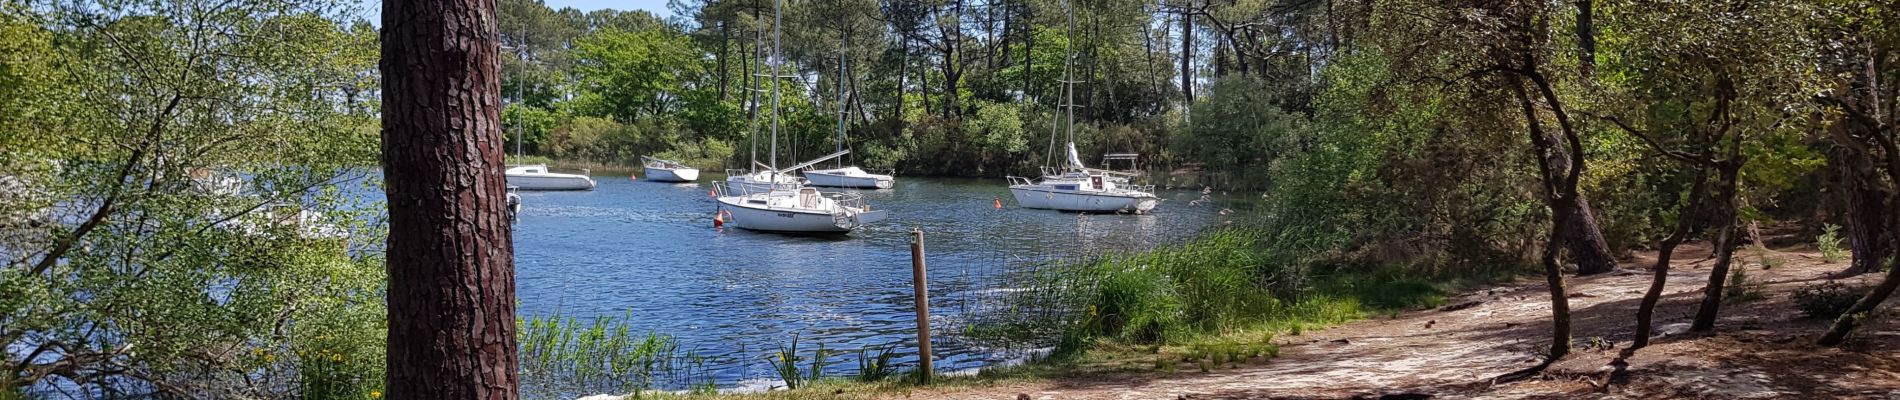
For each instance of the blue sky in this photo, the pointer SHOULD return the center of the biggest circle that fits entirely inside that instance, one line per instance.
(372, 9)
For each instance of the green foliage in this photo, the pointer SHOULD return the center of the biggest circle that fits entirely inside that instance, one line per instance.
(1238, 130)
(534, 124)
(1830, 244)
(1826, 300)
(636, 74)
(183, 209)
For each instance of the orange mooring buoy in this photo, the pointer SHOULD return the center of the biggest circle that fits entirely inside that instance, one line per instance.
(719, 219)
(999, 203)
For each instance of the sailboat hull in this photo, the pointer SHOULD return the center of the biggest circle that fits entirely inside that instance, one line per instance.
(843, 180)
(1030, 196)
(551, 181)
(760, 218)
(672, 175)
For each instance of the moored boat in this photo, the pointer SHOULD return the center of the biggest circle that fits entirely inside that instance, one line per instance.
(800, 210)
(1082, 191)
(537, 177)
(848, 177)
(659, 170)
(1074, 186)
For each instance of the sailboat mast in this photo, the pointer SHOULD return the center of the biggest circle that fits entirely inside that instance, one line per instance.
(1068, 69)
(777, 18)
(841, 39)
(752, 128)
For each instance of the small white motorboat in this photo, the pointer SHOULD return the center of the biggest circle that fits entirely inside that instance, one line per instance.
(658, 170)
(800, 210)
(537, 177)
(848, 177)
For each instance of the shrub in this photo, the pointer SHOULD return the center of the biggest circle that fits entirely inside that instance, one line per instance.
(1830, 244)
(1826, 300)
(1740, 289)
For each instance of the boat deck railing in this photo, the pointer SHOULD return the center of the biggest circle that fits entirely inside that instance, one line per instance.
(1019, 180)
(851, 200)
(1149, 189)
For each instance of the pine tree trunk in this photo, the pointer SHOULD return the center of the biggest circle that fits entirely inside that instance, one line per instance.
(1863, 199)
(1584, 238)
(1187, 54)
(1586, 38)
(450, 255)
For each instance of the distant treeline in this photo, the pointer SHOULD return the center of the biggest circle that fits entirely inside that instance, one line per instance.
(928, 88)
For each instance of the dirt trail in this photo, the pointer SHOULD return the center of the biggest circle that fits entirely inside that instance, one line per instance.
(1762, 349)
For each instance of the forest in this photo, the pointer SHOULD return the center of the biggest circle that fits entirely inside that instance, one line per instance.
(1389, 142)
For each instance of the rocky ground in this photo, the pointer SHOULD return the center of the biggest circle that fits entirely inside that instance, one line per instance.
(1762, 349)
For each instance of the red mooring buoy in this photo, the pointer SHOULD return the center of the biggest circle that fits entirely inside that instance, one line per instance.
(719, 219)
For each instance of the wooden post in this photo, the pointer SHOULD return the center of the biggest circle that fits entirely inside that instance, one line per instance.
(923, 304)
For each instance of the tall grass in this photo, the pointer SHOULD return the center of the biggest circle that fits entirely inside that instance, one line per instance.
(604, 354)
(1224, 281)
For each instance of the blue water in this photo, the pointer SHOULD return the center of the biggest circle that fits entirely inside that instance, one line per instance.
(649, 250)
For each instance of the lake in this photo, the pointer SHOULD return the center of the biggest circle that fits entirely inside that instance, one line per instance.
(649, 250)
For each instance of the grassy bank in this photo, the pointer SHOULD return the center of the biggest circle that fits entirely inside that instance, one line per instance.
(1222, 300)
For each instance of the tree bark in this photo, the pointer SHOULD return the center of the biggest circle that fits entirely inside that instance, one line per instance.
(1724, 224)
(1555, 189)
(1851, 319)
(1559, 301)
(1584, 238)
(1686, 220)
(1187, 54)
(1863, 199)
(450, 255)
(1586, 38)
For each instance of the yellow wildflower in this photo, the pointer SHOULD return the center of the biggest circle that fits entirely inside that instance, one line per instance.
(270, 357)
(336, 357)
(375, 394)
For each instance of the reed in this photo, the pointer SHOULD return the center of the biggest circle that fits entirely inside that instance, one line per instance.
(785, 364)
(566, 354)
(874, 363)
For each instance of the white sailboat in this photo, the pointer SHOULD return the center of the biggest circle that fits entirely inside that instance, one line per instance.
(849, 177)
(781, 207)
(537, 177)
(846, 176)
(763, 180)
(659, 170)
(1074, 186)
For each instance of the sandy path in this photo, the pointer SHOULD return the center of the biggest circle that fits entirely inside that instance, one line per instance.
(1762, 352)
